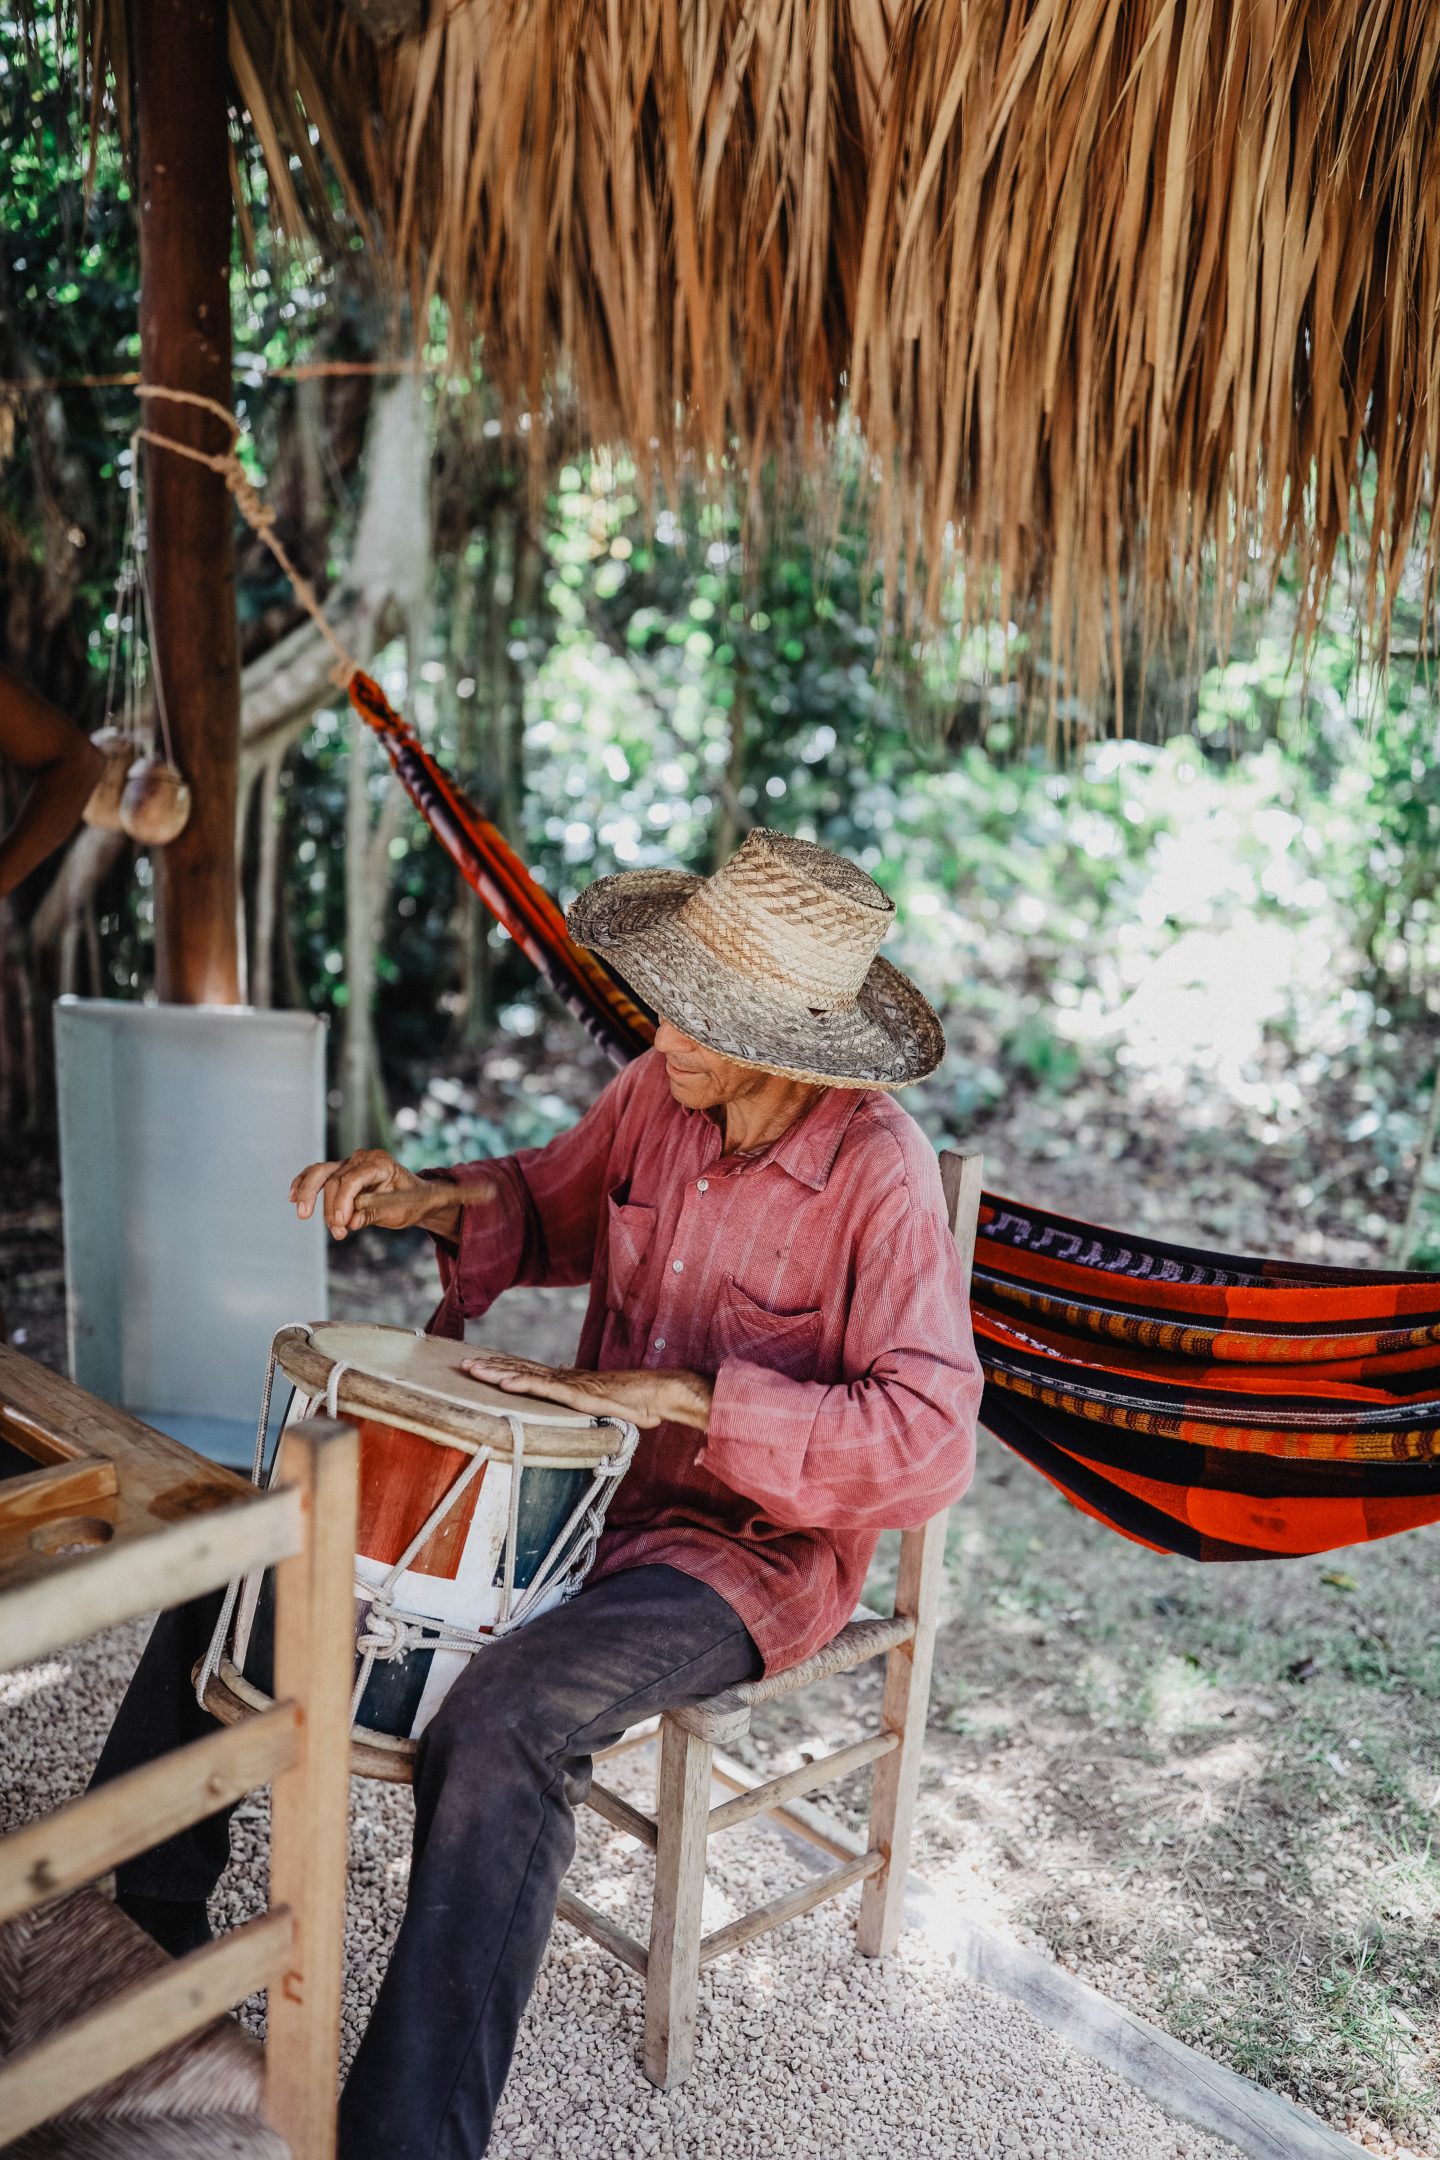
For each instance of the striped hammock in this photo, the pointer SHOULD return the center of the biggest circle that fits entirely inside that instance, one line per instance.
(1198, 1402)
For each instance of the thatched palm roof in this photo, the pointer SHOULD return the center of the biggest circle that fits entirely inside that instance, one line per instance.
(1116, 289)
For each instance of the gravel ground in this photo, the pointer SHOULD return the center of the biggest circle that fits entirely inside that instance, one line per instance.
(804, 2047)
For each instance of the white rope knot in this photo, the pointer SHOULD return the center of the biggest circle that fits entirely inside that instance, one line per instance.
(385, 1635)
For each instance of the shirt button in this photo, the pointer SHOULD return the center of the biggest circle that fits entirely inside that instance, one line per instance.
(704, 1185)
(679, 1266)
(659, 1342)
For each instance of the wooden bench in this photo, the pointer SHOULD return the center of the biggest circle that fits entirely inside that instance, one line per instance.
(89, 2001)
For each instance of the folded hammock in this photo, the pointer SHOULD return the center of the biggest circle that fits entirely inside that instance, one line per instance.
(1197, 1402)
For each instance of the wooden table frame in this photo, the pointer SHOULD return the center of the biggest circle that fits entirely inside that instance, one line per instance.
(174, 1527)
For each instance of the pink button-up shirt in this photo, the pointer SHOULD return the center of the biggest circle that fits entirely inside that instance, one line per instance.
(816, 1280)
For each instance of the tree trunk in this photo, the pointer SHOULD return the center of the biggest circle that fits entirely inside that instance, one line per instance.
(469, 922)
(92, 951)
(310, 463)
(292, 988)
(1407, 1237)
(498, 778)
(732, 819)
(364, 1112)
(357, 1053)
(88, 861)
(282, 686)
(29, 1050)
(268, 896)
(529, 599)
(70, 959)
(181, 76)
(17, 1074)
(392, 559)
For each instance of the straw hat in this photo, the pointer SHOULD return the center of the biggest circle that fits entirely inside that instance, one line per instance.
(773, 961)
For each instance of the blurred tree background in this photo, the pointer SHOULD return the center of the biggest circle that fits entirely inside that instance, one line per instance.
(1204, 951)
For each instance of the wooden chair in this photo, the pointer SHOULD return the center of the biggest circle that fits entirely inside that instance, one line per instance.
(86, 2000)
(684, 1820)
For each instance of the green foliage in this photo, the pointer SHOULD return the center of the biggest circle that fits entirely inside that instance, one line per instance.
(446, 1126)
(69, 272)
(1252, 910)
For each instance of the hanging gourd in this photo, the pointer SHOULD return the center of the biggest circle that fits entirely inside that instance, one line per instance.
(155, 806)
(140, 793)
(119, 750)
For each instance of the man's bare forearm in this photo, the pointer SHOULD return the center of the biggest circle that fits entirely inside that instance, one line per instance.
(651, 1396)
(687, 1397)
(445, 1212)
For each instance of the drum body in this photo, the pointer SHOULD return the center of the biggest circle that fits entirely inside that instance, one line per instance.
(478, 1510)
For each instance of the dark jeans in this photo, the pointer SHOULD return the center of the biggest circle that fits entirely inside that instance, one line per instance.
(499, 1773)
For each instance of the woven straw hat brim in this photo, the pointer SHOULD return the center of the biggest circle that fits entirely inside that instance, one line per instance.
(889, 1038)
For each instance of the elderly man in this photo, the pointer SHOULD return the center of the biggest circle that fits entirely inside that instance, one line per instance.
(775, 1301)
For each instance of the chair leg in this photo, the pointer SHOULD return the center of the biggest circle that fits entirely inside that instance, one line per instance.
(672, 1981)
(897, 1775)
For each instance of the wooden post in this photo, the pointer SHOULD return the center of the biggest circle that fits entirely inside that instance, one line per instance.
(314, 1667)
(672, 1977)
(178, 50)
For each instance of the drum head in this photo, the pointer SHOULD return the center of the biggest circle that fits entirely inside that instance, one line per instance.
(431, 1363)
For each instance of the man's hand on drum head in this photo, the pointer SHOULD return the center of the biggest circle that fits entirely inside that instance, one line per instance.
(370, 1190)
(647, 1396)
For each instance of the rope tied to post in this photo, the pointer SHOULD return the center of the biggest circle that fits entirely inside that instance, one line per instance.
(257, 513)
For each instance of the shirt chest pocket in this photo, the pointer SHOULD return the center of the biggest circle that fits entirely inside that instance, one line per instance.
(741, 1327)
(631, 1234)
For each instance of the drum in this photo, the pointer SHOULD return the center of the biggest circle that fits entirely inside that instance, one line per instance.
(478, 1510)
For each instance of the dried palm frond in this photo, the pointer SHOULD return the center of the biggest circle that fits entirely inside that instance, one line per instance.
(1118, 291)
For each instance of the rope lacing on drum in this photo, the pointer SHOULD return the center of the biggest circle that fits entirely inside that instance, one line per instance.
(387, 1633)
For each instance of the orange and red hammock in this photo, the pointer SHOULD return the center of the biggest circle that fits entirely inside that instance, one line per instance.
(1198, 1402)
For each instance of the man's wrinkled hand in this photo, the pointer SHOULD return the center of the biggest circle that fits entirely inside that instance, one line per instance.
(647, 1398)
(370, 1190)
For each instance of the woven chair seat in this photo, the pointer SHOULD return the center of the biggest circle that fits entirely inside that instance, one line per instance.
(198, 2101)
(726, 1718)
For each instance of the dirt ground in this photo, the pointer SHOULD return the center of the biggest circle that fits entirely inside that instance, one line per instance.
(1210, 1791)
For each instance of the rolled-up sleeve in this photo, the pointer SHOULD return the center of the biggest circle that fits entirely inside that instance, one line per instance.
(890, 1446)
(540, 1228)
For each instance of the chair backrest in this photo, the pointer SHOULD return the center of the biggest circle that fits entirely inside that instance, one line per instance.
(918, 1583)
(922, 1552)
(300, 1748)
(962, 1177)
